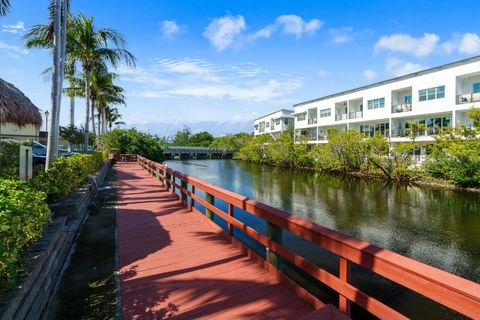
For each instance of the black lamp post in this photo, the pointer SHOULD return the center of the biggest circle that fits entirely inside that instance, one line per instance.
(46, 124)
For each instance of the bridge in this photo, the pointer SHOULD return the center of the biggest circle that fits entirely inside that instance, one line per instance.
(181, 256)
(178, 152)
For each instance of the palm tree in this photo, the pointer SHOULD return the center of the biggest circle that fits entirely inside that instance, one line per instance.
(112, 116)
(4, 7)
(92, 45)
(53, 35)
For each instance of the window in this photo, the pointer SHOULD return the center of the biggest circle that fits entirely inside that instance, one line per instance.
(370, 130)
(285, 121)
(325, 113)
(376, 103)
(277, 122)
(256, 127)
(268, 124)
(301, 116)
(431, 93)
(408, 99)
(476, 87)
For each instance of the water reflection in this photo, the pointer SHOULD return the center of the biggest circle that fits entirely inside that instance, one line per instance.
(438, 227)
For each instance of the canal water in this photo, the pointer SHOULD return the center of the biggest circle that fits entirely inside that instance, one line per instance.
(436, 226)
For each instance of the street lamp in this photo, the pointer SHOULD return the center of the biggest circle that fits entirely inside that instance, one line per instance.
(46, 124)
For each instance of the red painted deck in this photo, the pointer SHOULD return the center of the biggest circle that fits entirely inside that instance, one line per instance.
(174, 264)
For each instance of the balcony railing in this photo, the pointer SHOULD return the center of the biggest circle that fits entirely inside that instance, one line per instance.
(403, 133)
(312, 120)
(340, 117)
(468, 98)
(404, 107)
(355, 114)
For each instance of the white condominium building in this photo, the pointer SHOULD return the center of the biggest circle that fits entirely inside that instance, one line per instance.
(438, 97)
(274, 123)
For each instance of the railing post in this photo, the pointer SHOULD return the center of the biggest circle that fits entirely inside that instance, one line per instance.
(210, 199)
(192, 202)
(168, 177)
(275, 234)
(184, 194)
(344, 274)
(230, 213)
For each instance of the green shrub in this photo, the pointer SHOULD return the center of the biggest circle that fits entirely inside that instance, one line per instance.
(9, 158)
(66, 174)
(134, 142)
(23, 214)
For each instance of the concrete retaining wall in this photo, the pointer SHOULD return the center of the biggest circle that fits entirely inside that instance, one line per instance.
(48, 257)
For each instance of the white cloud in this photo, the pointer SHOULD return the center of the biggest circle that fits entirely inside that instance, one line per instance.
(225, 31)
(341, 35)
(397, 67)
(295, 25)
(228, 31)
(169, 29)
(14, 28)
(420, 47)
(203, 79)
(369, 74)
(467, 43)
(12, 51)
(322, 74)
(288, 24)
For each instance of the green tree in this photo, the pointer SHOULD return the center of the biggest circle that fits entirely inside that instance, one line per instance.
(474, 114)
(135, 142)
(91, 45)
(112, 116)
(182, 137)
(232, 142)
(201, 139)
(53, 35)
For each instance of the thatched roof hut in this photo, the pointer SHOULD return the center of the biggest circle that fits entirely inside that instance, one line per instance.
(16, 108)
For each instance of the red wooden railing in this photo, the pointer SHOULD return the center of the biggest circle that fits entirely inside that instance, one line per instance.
(447, 289)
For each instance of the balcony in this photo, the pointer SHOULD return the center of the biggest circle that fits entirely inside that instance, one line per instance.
(312, 120)
(468, 98)
(355, 115)
(340, 117)
(404, 107)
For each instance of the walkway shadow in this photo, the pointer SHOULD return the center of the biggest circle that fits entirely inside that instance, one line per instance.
(140, 234)
(207, 298)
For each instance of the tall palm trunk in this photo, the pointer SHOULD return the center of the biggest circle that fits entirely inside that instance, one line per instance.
(52, 147)
(93, 116)
(99, 122)
(61, 74)
(104, 121)
(87, 108)
(72, 119)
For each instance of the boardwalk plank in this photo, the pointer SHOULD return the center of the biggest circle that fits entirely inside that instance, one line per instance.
(173, 264)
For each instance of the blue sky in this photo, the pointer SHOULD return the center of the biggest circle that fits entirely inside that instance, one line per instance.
(216, 65)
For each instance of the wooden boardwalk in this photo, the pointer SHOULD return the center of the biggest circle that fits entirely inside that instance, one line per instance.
(175, 264)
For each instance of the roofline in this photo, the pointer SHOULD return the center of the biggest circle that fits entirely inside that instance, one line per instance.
(278, 110)
(404, 77)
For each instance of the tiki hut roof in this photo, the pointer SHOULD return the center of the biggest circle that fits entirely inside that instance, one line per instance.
(16, 108)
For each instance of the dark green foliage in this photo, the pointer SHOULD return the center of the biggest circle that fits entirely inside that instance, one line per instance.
(9, 158)
(135, 142)
(456, 156)
(66, 174)
(349, 151)
(231, 142)
(182, 137)
(74, 135)
(23, 214)
(201, 139)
